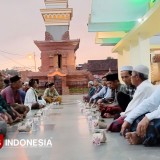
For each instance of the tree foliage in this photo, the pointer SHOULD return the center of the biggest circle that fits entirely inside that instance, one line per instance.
(11, 72)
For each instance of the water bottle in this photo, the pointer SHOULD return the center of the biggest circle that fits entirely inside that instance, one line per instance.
(34, 126)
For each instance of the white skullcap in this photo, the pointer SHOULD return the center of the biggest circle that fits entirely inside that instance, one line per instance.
(90, 82)
(141, 69)
(26, 83)
(126, 68)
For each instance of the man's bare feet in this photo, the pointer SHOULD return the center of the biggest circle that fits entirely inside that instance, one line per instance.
(108, 115)
(93, 106)
(133, 138)
(18, 119)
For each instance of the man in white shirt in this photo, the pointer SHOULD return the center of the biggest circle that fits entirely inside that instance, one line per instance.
(139, 78)
(144, 89)
(31, 98)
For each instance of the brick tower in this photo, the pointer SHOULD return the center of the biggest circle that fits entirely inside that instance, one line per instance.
(58, 50)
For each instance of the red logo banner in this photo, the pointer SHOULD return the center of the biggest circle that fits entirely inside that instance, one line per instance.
(1, 140)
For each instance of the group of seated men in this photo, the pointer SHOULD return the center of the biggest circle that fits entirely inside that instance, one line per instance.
(134, 105)
(17, 99)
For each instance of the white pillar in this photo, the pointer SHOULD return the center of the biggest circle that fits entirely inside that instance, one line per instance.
(123, 60)
(144, 49)
(140, 52)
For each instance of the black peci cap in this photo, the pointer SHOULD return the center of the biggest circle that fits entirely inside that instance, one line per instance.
(112, 77)
(14, 79)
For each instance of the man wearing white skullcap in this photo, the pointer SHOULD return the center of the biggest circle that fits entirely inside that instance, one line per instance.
(139, 78)
(141, 69)
(125, 97)
(90, 92)
(126, 68)
(90, 82)
(144, 121)
(144, 89)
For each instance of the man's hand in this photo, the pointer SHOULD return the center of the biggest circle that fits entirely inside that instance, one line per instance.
(20, 116)
(142, 127)
(124, 127)
(54, 98)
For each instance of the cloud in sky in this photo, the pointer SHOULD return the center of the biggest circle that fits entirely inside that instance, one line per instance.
(22, 23)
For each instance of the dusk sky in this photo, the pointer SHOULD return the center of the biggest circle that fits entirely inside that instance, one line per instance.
(22, 23)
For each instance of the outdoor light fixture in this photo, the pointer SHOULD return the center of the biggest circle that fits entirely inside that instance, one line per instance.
(140, 20)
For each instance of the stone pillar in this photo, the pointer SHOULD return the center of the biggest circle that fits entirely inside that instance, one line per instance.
(71, 59)
(64, 63)
(55, 61)
(45, 61)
